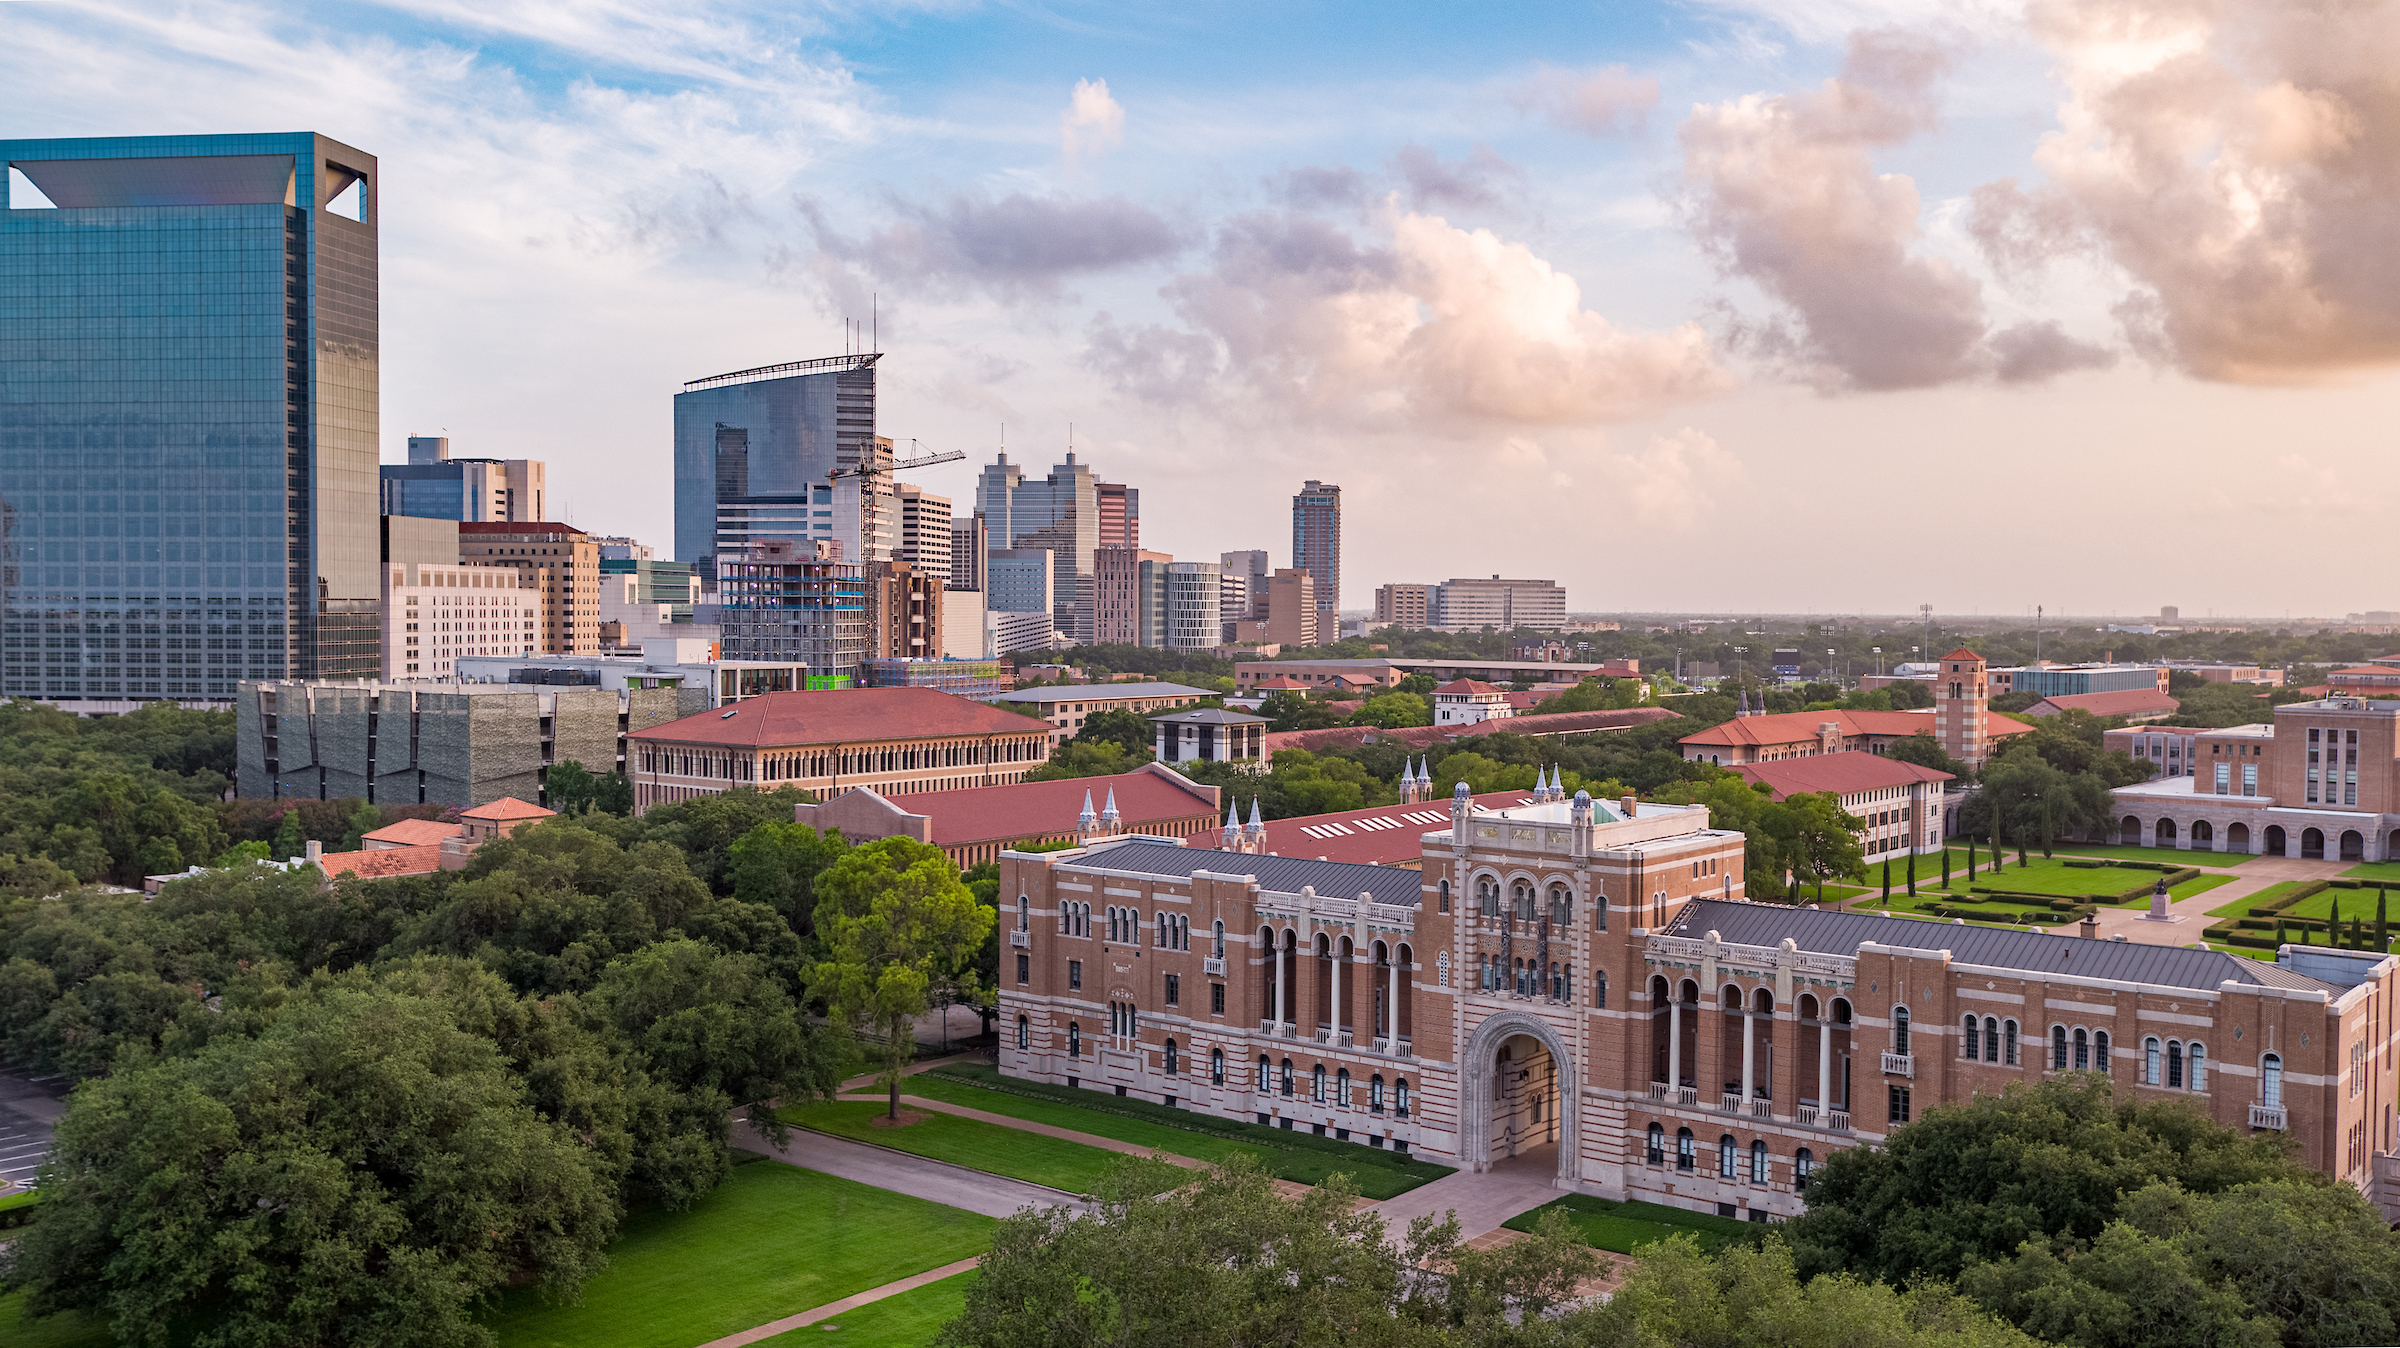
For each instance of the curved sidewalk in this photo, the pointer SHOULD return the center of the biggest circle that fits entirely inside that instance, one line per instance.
(917, 1176)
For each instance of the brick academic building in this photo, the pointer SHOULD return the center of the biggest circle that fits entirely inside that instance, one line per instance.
(1584, 984)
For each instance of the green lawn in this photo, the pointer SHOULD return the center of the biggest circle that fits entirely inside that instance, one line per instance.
(909, 1320)
(2359, 903)
(2387, 872)
(772, 1241)
(72, 1330)
(2170, 855)
(2240, 908)
(1374, 1173)
(1071, 1166)
(1623, 1226)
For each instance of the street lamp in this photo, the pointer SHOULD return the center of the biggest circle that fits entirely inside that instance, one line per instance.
(1879, 662)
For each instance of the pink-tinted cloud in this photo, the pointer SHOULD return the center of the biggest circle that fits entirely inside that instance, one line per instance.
(1609, 101)
(2239, 161)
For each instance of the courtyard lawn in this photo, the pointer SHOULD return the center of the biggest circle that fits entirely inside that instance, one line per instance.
(2240, 908)
(71, 1330)
(2178, 893)
(1376, 1174)
(2358, 903)
(2169, 855)
(909, 1320)
(771, 1241)
(1070, 1166)
(2382, 872)
(1622, 1227)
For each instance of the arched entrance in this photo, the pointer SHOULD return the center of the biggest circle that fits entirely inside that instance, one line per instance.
(2165, 833)
(2204, 836)
(2275, 841)
(2354, 847)
(2237, 837)
(2312, 844)
(1525, 1099)
(2129, 831)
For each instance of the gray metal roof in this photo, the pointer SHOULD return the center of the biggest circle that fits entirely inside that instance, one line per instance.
(1280, 875)
(2063, 952)
(1100, 692)
(1208, 716)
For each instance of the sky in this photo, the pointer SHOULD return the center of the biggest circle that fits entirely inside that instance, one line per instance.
(1715, 306)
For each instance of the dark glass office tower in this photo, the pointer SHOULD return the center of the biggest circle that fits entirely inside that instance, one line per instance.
(754, 451)
(188, 415)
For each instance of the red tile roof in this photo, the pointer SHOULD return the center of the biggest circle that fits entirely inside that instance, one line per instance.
(843, 716)
(1431, 737)
(2126, 702)
(1031, 809)
(1384, 836)
(1962, 653)
(415, 833)
(1842, 774)
(1800, 727)
(2366, 671)
(1280, 683)
(506, 808)
(382, 863)
(1470, 686)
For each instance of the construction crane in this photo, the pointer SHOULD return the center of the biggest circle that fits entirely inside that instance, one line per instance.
(875, 483)
(921, 460)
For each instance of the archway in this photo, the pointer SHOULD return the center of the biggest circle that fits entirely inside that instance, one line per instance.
(2204, 836)
(2391, 849)
(2275, 841)
(2354, 847)
(1496, 1114)
(2165, 833)
(2312, 844)
(2237, 837)
(2129, 831)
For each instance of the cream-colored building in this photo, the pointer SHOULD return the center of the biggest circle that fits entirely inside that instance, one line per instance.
(435, 615)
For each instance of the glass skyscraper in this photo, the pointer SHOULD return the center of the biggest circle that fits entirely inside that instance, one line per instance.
(188, 415)
(755, 451)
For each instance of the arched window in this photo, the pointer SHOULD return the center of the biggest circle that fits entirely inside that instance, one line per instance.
(1725, 1147)
(1562, 905)
(2083, 1050)
(1656, 1152)
(1487, 897)
(1287, 1076)
(2270, 1080)
(1445, 896)
(1804, 1164)
(1900, 1030)
(1074, 1040)
(2175, 1064)
(1758, 1161)
(1266, 1071)
(2199, 1067)
(1024, 913)
(2008, 1033)
(1216, 1067)
(1684, 1149)
(1400, 1097)
(1599, 911)
(1316, 1084)
(1521, 901)
(1971, 1038)
(1991, 1039)
(1558, 987)
(2150, 1061)
(2058, 1048)
(1375, 1094)
(1024, 1033)
(1174, 1066)
(1600, 988)
(1341, 1088)
(2100, 1050)
(1217, 937)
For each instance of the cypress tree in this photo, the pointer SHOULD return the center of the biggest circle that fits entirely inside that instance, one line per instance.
(2280, 937)
(1887, 879)
(1970, 860)
(2383, 940)
(2020, 851)
(1998, 856)
(2358, 937)
(1912, 874)
(1946, 862)
(2333, 925)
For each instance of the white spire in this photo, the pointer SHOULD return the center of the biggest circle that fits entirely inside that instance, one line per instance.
(1257, 824)
(1085, 819)
(1109, 815)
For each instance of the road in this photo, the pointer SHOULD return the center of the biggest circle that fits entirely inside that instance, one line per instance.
(29, 1108)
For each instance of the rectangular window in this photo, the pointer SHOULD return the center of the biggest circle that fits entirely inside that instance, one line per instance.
(1216, 999)
(2249, 779)
(2224, 778)
(1174, 990)
(1024, 968)
(1899, 1104)
(1074, 973)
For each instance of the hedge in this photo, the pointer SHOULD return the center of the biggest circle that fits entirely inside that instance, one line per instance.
(2295, 896)
(19, 1208)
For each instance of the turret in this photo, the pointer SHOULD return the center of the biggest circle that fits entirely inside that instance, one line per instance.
(1085, 823)
(1109, 816)
(1254, 838)
(1233, 826)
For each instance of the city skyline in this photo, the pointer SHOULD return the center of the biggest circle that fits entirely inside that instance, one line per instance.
(1539, 287)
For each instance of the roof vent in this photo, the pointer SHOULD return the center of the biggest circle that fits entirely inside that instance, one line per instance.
(727, 715)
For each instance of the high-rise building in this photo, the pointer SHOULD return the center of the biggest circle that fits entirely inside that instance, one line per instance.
(1060, 513)
(1120, 514)
(1253, 567)
(1403, 606)
(1962, 707)
(1129, 596)
(1292, 617)
(756, 452)
(1317, 542)
(925, 531)
(566, 563)
(1194, 613)
(434, 616)
(904, 612)
(970, 544)
(1019, 580)
(1233, 601)
(188, 415)
(779, 600)
(622, 548)
(1470, 604)
(434, 485)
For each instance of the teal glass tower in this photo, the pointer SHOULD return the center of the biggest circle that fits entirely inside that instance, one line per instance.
(188, 415)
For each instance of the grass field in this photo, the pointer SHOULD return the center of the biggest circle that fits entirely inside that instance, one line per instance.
(773, 1240)
(909, 1320)
(991, 1147)
(2386, 871)
(2359, 903)
(72, 1330)
(1624, 1226)
(1376, 1175)
(2171, 856)
(2241, 907)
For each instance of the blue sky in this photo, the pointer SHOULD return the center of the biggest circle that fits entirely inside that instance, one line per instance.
(1648, 298)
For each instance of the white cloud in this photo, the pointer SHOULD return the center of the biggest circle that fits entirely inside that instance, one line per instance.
(1092, 125)
(1674, 481)
(1608, 101)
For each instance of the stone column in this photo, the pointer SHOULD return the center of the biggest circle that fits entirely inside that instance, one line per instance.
(1282, 992)
(1391, 1002)
(1333, 1013)
(1749, 1057)
(1674, 1038)
(1824, 1058)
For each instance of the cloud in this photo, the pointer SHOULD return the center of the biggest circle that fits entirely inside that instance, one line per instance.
(1609, 101)
(1672, 480)
(1473, 183)
(1782, 192)
(1440, 329)
(2031, 352)
(1093, 123)
(1014, 245)
(2240, 163)
(1313, 187)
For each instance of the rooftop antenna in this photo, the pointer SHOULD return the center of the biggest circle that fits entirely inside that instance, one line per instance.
(875, 313)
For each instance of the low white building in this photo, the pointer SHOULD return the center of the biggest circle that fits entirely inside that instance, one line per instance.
(1467, 701)
(664, 662)
(435, 615)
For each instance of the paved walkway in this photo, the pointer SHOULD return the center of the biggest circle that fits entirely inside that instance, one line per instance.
(918, 1176)
(1027, 1126)
(1483, 1201)
(849, 1303)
